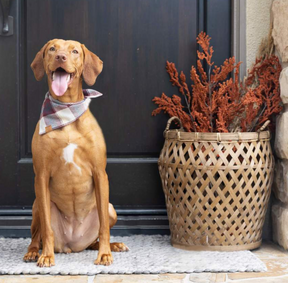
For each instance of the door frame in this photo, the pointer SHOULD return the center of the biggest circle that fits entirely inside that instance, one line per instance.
(239, 34)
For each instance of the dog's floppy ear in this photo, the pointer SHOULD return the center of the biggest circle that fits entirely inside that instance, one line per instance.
(92, 66)
(38, 65)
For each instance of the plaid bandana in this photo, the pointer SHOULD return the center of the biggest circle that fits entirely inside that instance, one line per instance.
(56, 114)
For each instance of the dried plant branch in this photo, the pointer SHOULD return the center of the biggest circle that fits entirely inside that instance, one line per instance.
(220, 103)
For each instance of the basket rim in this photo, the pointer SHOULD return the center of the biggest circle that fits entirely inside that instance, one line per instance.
(181, 135)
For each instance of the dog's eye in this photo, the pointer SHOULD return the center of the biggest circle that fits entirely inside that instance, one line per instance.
(52, 48)
(75, 51)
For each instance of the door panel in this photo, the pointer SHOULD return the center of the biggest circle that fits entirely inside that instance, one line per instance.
(134, 39)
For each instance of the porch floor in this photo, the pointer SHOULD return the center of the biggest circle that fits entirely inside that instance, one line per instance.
(275, 258)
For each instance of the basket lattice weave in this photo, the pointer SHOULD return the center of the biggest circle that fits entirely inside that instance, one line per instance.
(217, 187)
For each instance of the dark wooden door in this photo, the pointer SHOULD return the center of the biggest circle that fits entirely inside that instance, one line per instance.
(134, 38)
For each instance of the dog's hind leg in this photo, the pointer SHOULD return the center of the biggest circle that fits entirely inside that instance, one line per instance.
(33, 249)
(115, 247)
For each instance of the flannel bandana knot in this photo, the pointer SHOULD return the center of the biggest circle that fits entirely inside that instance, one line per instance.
(56, 114)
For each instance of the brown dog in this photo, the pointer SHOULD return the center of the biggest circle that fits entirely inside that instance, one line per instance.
(71, 210)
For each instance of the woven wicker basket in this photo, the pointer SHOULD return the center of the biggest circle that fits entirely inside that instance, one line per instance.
(217, 187)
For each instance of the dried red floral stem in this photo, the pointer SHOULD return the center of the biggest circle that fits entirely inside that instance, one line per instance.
(192, 118)
(210, 98)
(257, 119)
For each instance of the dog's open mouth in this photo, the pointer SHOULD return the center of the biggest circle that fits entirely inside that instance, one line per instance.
(60, 81)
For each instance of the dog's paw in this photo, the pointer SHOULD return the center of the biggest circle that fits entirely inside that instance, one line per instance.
(31, 256)
(46, 261)
(104, 259)
(119, 247)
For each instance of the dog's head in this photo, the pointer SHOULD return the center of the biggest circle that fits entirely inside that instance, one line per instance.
(65, 62)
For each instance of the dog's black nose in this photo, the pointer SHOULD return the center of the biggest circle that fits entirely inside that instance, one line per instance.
(61, 57)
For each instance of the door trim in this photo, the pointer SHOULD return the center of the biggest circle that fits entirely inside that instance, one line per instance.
(239, 34)
(16, 223)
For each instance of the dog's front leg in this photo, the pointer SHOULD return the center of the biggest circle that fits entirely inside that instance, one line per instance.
(43, 199)
(102, 198)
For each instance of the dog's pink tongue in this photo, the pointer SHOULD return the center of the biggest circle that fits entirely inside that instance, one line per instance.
(59, 83)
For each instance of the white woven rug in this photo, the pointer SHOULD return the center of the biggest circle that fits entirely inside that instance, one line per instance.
(148, 254)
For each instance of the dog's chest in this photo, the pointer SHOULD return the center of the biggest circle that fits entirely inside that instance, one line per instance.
(72, 157)
(72, 160)
(68, 157)
(71, 179)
